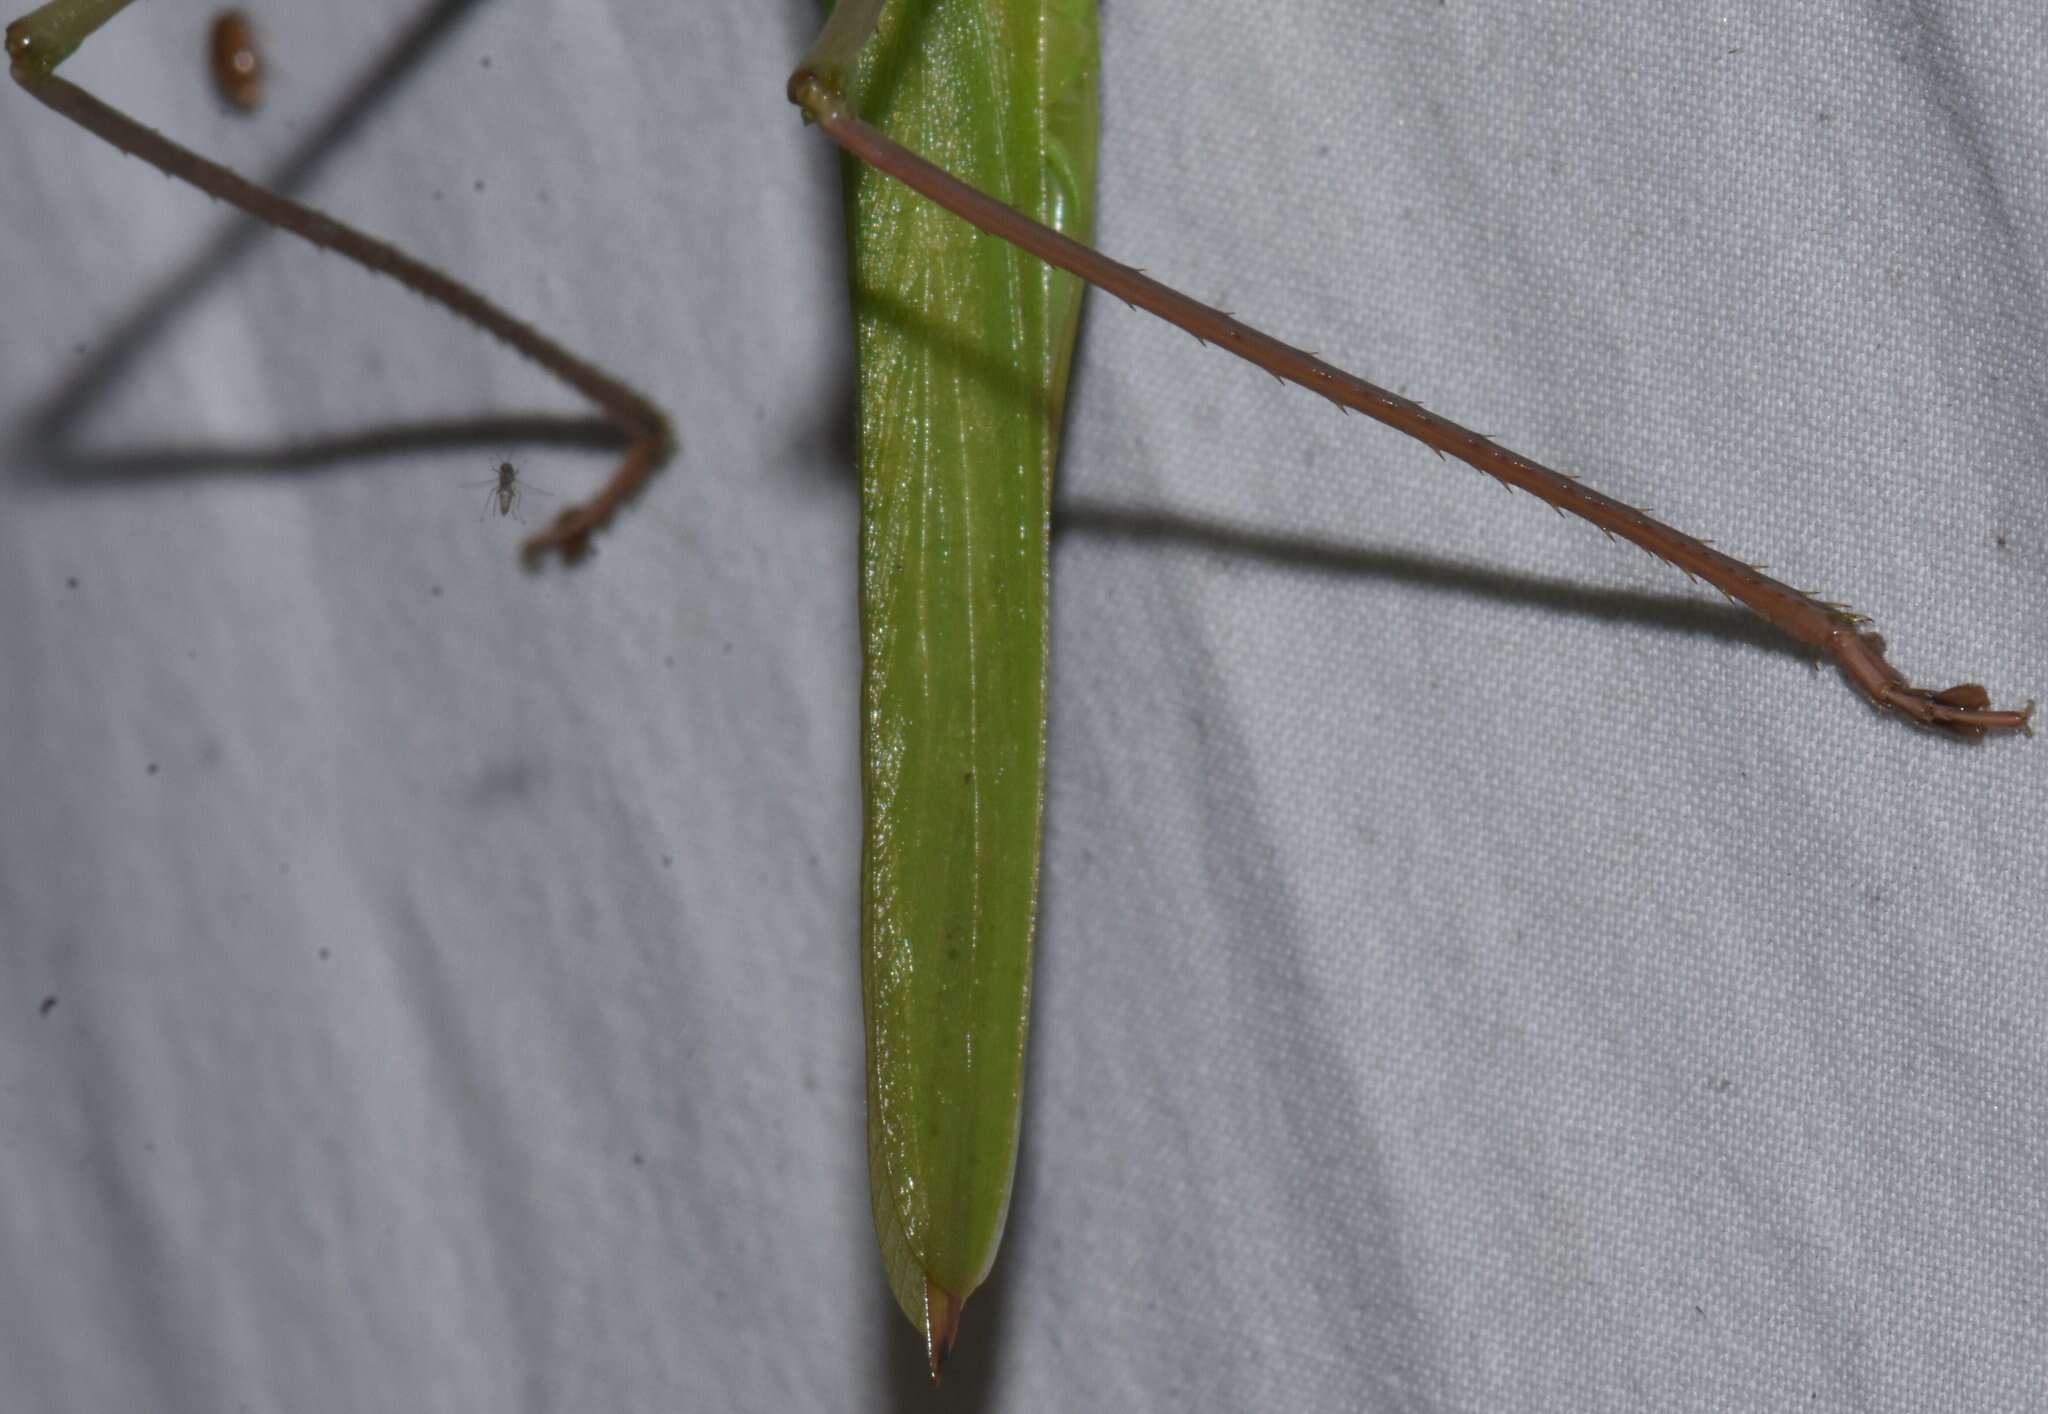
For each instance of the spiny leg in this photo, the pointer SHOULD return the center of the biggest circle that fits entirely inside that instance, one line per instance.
(1827, 628)
(39, 41)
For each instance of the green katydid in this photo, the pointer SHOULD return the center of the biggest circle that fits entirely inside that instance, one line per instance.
(1952, 703)
(965, 345)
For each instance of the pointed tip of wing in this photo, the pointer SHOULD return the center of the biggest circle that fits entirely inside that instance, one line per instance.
(941, 1325)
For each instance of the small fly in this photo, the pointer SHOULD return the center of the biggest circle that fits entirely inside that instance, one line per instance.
(506, 489)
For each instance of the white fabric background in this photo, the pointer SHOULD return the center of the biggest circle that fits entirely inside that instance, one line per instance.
(1477, 972)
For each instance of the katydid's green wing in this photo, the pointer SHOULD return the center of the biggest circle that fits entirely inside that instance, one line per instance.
(964, 346)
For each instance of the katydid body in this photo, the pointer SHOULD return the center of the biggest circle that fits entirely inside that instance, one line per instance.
(964, 348)
(1163, 262)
